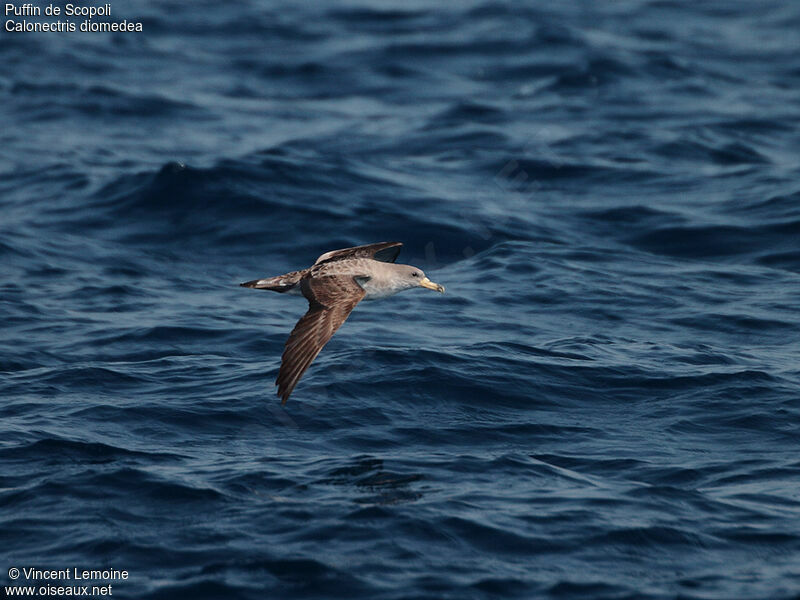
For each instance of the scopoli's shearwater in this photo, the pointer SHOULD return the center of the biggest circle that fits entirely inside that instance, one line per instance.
(333, 286)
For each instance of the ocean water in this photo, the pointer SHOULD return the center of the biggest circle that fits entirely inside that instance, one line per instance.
(604, 405)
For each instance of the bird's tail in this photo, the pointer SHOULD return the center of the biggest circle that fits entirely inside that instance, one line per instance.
(281, 283)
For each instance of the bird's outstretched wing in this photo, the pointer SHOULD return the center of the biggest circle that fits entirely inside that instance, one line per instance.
(382, 251)
(330, 300)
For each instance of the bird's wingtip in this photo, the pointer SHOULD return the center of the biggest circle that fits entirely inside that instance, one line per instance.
(282, 392)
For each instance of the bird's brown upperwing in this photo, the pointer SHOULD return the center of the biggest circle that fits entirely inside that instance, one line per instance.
(330, 300)
(382, 251)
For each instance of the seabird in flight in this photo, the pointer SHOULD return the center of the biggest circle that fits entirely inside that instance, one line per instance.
(333, 286)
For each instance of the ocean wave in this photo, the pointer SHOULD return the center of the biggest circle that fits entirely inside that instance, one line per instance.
(602, 405)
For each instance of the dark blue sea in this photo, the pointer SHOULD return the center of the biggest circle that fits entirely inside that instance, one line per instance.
(605, 404)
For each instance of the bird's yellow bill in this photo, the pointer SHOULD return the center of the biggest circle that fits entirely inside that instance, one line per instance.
(427, 283)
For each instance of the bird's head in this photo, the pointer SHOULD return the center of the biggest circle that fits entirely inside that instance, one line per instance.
(414, 277)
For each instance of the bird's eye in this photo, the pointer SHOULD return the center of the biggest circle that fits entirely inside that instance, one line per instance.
(415, 274)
